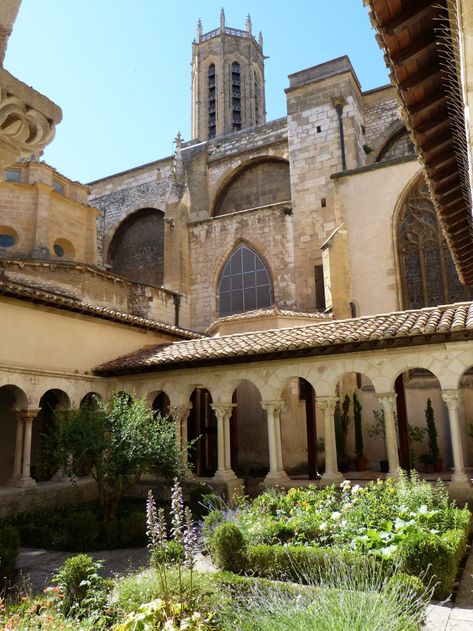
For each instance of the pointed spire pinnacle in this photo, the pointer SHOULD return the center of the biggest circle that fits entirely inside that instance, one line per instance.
(199, 30)
(260, 39)
(248, 24)
(178, 140)
(222, 20)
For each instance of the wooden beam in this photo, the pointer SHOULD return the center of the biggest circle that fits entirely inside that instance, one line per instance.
(415, 81)
(408, 16)
(417, 48)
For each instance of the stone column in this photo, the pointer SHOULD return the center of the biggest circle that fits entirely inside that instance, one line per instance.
(451, 398)
(28, 416)
(327, 405)
(18, 447)
(180, 414)
(388, 403)
(223, 413)
(276, 474)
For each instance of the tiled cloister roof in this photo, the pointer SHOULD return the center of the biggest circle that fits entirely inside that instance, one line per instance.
(268, 313)
(68, 303)
(401, 328)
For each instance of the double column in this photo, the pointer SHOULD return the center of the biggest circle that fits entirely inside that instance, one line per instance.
(223, 412)
(451, 398)
(180, 413)
(276, 474)
(22, 464)
(328, 405)
(388, 403)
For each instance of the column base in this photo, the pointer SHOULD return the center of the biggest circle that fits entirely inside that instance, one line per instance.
(460, 478)
(392, 474)
(332, 477)
(25, 482)
(279, 478)
(224, 476)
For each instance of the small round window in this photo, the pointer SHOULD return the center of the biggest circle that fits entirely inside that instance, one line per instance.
(6, 240)
(59, 250)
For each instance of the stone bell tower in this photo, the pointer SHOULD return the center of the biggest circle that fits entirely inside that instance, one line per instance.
(227, 80)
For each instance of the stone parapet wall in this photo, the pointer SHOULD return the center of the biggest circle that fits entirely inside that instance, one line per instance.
(248, 139)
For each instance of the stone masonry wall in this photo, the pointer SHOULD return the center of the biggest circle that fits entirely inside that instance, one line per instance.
(381, 113)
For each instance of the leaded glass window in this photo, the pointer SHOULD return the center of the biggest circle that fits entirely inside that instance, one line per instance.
(244, 284)
(428, 274)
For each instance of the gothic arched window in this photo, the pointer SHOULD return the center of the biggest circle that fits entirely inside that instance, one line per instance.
(428, 274)
(236, 96)
(244, 284)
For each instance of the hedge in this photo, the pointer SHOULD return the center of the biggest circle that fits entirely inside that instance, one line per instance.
(9, 544)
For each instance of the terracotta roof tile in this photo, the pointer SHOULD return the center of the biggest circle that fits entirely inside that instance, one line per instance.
(34, 294)
(399, 329)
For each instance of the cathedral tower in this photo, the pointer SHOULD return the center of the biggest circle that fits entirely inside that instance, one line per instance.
(227, 80)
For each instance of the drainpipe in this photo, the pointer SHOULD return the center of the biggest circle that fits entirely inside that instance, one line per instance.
(338, 103)
(177, 304)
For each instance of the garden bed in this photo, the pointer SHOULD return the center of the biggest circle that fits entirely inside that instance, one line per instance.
(408, 525)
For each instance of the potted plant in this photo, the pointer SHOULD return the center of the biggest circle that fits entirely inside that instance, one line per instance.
(342, 422)
(434, 451)
(378, 430)
(361, 461)
(428, 461)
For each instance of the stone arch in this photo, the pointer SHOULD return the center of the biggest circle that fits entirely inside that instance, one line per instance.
(258, 182)
(244, 281)
(397, 145)
(202, 431)
(90, 400)
(465, 389)
(248, 431)
(53, 401)
(426, 272)
(12, 399)
(136, 249)
(63, 249)
(161, 403)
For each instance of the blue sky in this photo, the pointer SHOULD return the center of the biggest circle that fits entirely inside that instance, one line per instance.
(120, 69)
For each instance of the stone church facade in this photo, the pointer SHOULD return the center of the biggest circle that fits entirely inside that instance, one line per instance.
(320, 219)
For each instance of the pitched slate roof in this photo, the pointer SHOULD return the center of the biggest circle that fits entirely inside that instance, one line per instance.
(68, 303)
(401, 328)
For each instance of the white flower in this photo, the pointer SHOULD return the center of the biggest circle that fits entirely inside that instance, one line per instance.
(323, 526)
(355, 489)
(336, 514)
(345, 485)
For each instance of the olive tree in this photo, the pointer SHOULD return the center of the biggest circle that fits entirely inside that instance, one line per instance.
(116, 441)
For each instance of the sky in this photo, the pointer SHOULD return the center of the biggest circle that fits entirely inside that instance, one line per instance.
(120, 69)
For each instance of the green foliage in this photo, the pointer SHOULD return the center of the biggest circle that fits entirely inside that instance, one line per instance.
(81, 531)
(378, 429)
(407, 584)
(157, 615)
(133, 529)
(227, 547)
(342, 423)
(358, 428)
(9, 544)
(431, 430)
(117, 442)
(78, 588)
(434, 557)
(167, 554)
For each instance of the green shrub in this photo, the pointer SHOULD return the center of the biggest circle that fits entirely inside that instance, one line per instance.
(307, 564)
(227, 547)
(35, 536)
(407, 584)
(81, 531)
(79, 589)
(171, 552)
(133, 529)
(9, 544)
(109, 535)
(435, 558)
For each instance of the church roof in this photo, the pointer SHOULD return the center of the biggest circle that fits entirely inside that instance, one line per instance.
(68, 303)
(258, 314)
(401, 328)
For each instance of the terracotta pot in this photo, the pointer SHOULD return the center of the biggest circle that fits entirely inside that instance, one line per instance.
(361, 464)
(438, 465)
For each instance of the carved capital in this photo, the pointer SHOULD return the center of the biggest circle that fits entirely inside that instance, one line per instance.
(327, 404)
(388, 401)
(180, 412)
(273, 407)
(223, 411)
(451, 398)
(29, 415)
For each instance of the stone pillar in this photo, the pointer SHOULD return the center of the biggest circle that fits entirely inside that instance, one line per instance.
(388, 402)
(180, 414)
(327, 405)
(223, 413)
(276, 474)
(18, 447)
(451, 398)
(28, 416)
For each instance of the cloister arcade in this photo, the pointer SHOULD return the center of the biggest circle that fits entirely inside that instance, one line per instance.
(267, 417)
